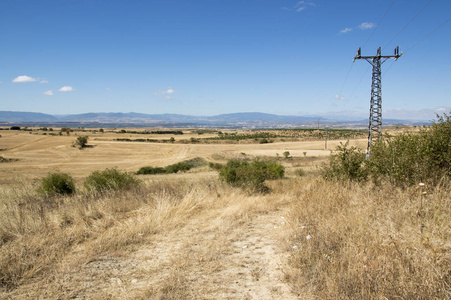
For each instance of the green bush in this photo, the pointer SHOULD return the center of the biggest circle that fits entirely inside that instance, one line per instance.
(175, 168)
(405, 159)
(215, 166)
(150, 170)
(347, 163)
(110, 179)
(57, 184)
(410, 158)
(251, 176)
(81, 141)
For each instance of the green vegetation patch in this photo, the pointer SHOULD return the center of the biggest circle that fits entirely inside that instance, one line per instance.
(404, 159)
(175, 168)
(251, 175)
(57, 184)
(111, 179)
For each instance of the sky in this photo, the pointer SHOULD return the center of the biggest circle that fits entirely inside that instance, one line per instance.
(209, 57)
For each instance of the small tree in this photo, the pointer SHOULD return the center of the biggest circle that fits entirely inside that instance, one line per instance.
(81, 141)
(172, 139)
(101, 130)
(286, 154)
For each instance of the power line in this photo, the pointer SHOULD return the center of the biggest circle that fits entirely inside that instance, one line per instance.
(360, 81)
(380, 21)
(392, 63)
(346, 79)
(427, 35)
(405, 26)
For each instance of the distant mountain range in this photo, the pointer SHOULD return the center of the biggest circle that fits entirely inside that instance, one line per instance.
(244, 119)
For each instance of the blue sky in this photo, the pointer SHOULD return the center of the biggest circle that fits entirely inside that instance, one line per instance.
(212, 57)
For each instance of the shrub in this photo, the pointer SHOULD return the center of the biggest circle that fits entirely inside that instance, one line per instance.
(405, 159)
(150, 170)
(346, 163)
(250, 176)
(410, 158)
(57, 184)
(65, 129)
(110, 179)
(175, 168)
(286, 154)
(81, 141)
(215, 166)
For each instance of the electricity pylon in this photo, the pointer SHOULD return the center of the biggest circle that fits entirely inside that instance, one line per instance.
(375, 124)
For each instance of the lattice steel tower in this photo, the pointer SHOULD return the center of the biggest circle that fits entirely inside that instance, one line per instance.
(375, 124)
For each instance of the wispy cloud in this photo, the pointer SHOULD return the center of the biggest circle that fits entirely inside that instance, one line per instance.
(166, 93)
(44, 81)
(339, 97)
(24, 78)
(66, 89)
(366, 25)
(362, 26)
(48, 93)
(302, 5)
(346, 30)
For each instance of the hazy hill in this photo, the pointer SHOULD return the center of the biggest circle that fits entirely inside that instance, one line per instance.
(242, 119)
(18, 116)
(132, 117)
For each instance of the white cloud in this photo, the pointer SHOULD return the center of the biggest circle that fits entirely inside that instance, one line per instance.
(48, 93)
(339, 97)
(301, 5)
(363, 26)
(366, 25)
(24, 78)
(66, 89)
(168, 91)
(108, 89)
(44, 81)
(346, 30)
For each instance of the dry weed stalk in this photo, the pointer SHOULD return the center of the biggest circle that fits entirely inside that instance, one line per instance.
(369, 242)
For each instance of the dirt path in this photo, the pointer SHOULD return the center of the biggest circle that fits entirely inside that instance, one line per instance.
(211, 257)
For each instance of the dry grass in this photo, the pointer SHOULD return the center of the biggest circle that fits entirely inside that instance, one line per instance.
(37, 155)
(189, 236)
(371, 242)
(43, 240)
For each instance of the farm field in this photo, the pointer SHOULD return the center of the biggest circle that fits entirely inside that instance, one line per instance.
(38, 154)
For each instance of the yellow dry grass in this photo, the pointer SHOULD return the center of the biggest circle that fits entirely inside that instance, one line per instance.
(189, 236)
(38, 155)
